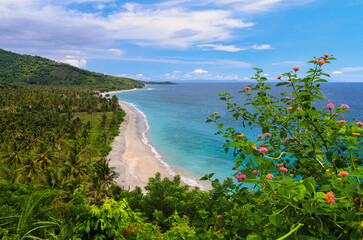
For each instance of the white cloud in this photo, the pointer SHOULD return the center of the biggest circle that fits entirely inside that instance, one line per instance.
(247, 7)
(348, 69)
(351, 69)
(199, 71)
(199, 74)
(220, 47)
(231, 48)
(54, 26)
(266, 75)
(88, 1)
(80, 63)
(261, 47)
(116, 51)
(294, 63)
(138, 76)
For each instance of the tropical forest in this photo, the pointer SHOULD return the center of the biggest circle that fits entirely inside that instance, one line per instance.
(56, 130)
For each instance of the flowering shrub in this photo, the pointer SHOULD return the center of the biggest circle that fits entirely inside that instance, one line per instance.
(308, 174)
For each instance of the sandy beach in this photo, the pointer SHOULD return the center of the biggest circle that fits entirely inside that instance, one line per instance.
(134, 160)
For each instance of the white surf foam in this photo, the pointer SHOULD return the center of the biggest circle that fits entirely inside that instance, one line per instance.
(145, 140)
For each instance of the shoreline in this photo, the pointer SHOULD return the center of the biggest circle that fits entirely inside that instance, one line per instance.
(135, 159)
(117, 91)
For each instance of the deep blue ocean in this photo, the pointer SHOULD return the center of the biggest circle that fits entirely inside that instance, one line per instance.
(177, 113)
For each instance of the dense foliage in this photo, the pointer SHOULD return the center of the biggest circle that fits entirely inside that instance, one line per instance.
(25, 69)
(57, 137)
(305, 169)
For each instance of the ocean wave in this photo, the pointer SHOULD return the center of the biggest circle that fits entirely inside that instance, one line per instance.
(145, 140)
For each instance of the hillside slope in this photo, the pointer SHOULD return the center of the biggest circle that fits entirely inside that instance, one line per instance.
(34, 70)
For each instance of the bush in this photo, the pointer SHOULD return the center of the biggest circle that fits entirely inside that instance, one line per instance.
(306, 164)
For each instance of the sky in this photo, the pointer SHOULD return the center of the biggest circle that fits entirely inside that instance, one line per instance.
(188, 40)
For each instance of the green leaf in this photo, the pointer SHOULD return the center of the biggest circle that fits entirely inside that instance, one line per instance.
(355, 235)
(253, 236)
(275, 219)
(350, 215)
(282, 84)
(309, 184)
(283, 135)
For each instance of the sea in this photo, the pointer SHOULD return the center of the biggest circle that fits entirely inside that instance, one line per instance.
(180, 137)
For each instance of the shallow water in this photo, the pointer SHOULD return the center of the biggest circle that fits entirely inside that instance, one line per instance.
(176, 116)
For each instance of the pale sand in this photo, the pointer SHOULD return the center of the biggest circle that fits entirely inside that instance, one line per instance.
(134, 160)
(105, 93)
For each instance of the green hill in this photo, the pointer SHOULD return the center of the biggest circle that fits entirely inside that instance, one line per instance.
(34, 70)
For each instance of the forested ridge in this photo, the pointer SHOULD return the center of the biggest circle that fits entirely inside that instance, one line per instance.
(34, 70)
(56, 183)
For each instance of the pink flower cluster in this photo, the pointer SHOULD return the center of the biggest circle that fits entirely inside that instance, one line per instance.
(345, 106)
(267, 134)
(260, 136)
(263, 150)
(270, 176)
(246, 89)
(240, 176)
(343, 174)
(359, 124)
(282, 169)
(296, 69)
(330, 106)
(256, 172)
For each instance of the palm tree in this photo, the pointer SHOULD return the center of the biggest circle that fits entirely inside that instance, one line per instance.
(15, 154)
(29, 171)
(45, 156)
(76, 164)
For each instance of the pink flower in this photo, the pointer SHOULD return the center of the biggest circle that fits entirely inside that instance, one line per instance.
(247, 88)
(279, 165)
(296, 69)
(330, 198)
(219, 216)
(267, 134)
(287, 139)
(298, 109)
(345, 106)
(255, 172)
(270, 176)
(335, 114)
(343, 174)
(282, 169)
(261, 144)
(234, 167)
(321, 62)
(240, 176)
(287, 98)
(359, 124)
(326, 55)
(263, 150)
(260, 136)
(330, 106)
(341, 121)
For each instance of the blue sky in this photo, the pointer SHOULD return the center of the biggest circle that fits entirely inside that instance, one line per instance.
(188, 40)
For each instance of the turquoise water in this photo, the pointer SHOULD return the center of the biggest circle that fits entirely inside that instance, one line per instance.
(176, 115)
